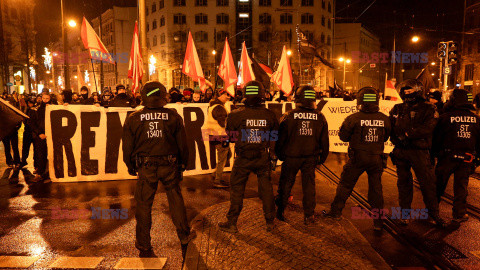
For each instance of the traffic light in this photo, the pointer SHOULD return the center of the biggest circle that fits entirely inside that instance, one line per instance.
(452, 52)
(442, 50)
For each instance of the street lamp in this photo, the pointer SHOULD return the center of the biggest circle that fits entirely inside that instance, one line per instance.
(345, 62)
(214, 53)
(433, 63)
(289, 52)
(151, 65)
(415, 39)
(72, 23)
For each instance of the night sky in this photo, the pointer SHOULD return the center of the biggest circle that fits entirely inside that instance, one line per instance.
(48, 19)
(432, 20)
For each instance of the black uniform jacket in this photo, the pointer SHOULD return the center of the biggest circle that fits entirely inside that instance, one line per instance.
(252, 128)
(303, 133)
(412, 125)
(154, 132)
(366, 131)
(458, 132)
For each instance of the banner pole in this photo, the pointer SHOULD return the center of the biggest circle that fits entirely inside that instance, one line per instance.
(94, 77)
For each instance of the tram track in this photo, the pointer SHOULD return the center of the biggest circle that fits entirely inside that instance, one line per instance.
(472, 210)
(415, 243)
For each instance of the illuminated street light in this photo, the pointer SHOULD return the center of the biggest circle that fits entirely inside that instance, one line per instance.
(345, 62)
(289, 52)
(433, 74)
(214, 52)
(415, 39)
(151, 65)
(87, 77)
(433, 63)
(72, 23)
(47, 59)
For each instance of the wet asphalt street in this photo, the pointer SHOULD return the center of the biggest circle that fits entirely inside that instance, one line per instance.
(55, 219)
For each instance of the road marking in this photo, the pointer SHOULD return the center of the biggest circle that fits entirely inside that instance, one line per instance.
(141, 263)
(17, 261)
(76, 262)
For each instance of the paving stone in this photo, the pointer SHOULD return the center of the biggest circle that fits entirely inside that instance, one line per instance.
(326, 245)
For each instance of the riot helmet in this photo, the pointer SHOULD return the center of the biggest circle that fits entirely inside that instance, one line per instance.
(305, 96)
(154, 95)
(368, 99)
(411, 84)
(254, 94)
(461, 98)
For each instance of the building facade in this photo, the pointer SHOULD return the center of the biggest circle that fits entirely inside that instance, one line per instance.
(265, 26)
(357, 44)
(17, 47)
(116, 33)
(469, 75)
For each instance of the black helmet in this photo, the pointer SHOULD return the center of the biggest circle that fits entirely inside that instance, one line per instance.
(119, 86)
(410, 84)
(154, 95)
(461, 98)
(368, 99)
(254, 93)
(305, 96)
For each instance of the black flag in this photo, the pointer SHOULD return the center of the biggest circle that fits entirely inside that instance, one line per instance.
(260, 74)
(11, 118)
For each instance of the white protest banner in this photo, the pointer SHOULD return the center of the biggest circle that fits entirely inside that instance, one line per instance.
(84, 141)
(336, 111)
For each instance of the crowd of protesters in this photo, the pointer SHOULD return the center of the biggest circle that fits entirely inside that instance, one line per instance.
(33, 105)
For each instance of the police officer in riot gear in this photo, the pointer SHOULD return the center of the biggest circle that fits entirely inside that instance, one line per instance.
(302, 145)
(254, 130)
(155, 145)
(456, 144)
(413, 122)
(366, 131)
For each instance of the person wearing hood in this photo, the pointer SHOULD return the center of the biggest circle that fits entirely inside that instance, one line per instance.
(436, 99)
(84, 100)
(366, 132)
(37, 124)
(413, 122)
(122, 99)
(456, 144)
(175, 95)
(302, 145)
(187, 95)
(107, 98)
(208, 95)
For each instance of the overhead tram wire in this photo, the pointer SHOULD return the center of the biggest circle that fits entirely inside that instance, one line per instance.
(415, 243)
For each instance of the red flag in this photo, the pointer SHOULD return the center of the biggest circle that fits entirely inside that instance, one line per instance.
(135, 65)
(191, 64)
(390, 91)
(93, 43)
(226, 71)
(246, 71)
(283, 76)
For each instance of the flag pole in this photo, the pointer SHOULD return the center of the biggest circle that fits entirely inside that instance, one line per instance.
(94, 77)
(299, 58)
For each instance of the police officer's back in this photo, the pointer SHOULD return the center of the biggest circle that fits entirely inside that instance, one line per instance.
(413, 122)
(253, 130)
(456, 144)
(366, 131)
(302, 144)
(154, 144)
